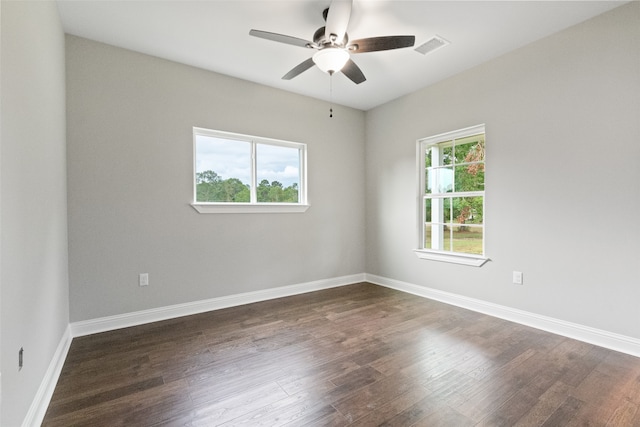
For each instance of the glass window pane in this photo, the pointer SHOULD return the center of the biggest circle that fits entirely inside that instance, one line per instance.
(468, 239)
(427, 210)
(437, 210)
(469, 177)
(436, 236)
(468, 210)
(470, 149)
(223, 170)
(461, 152)
(428, 154)
(447, 155)
(446, 241)
(448, 212)
(278, 173)
(428, 234)
(429, 181)
(439, 180)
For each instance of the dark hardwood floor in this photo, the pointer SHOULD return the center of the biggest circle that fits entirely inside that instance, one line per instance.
(360, 355)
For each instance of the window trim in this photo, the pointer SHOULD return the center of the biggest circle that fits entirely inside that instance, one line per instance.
(441, 255)
(207, 208)
(253, 207)
(451, 257)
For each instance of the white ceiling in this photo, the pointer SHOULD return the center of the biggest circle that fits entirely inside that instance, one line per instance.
(214, 35)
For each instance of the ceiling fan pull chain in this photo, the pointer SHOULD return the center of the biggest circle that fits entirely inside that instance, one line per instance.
(331, 95)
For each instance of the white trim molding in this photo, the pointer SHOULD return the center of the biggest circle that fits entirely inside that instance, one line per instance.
(454, 258)
(110, 323)
(610, 340)
(43, 396)
(587, 334)
(237, 208)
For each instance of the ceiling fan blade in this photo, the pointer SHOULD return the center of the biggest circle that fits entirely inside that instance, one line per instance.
(281, 38)
(299, 69)
(338, 20)
(353, 72)
(374, 44)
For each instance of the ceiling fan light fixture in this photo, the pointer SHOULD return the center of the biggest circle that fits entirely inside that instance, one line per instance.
(331, 59)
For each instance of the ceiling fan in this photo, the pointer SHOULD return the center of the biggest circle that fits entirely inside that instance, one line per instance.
(333, 46)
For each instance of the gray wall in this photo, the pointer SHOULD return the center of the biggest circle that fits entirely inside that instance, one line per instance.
(130, 119)
(33, 251)
(562, 149)
(563, 124)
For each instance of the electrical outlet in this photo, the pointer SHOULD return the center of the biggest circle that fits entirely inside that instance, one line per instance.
(517, 277)
(143, 279)
(20, 358)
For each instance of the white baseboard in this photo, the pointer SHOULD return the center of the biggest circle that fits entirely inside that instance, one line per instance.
(40, 402)
(126, 320)
(587, 334)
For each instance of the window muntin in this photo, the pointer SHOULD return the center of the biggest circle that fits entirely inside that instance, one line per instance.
(452, 193)
(242, 170)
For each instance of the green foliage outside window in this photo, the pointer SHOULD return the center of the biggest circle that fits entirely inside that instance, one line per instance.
(211, 187)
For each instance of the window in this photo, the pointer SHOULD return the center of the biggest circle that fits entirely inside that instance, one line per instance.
(239, 173)
(451, 182)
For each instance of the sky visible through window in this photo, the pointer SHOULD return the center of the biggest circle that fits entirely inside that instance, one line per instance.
(232, 159)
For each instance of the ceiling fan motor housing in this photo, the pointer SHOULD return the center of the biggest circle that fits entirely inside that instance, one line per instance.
(320, 40)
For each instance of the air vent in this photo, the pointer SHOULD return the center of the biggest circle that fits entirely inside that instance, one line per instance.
(435, 43)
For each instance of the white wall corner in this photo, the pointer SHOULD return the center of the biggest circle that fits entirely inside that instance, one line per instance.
(43, 396)
(610, 340)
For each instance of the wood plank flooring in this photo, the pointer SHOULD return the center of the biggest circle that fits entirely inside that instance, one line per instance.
(360, 355)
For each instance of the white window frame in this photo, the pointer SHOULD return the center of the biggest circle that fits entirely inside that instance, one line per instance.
(436, 254)
(253, 206)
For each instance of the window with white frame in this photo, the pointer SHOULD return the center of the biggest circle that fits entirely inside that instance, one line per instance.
(242, 173)
(452, 196)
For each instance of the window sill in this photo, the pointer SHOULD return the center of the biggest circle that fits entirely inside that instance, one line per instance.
(209, 208)
(471, 260)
